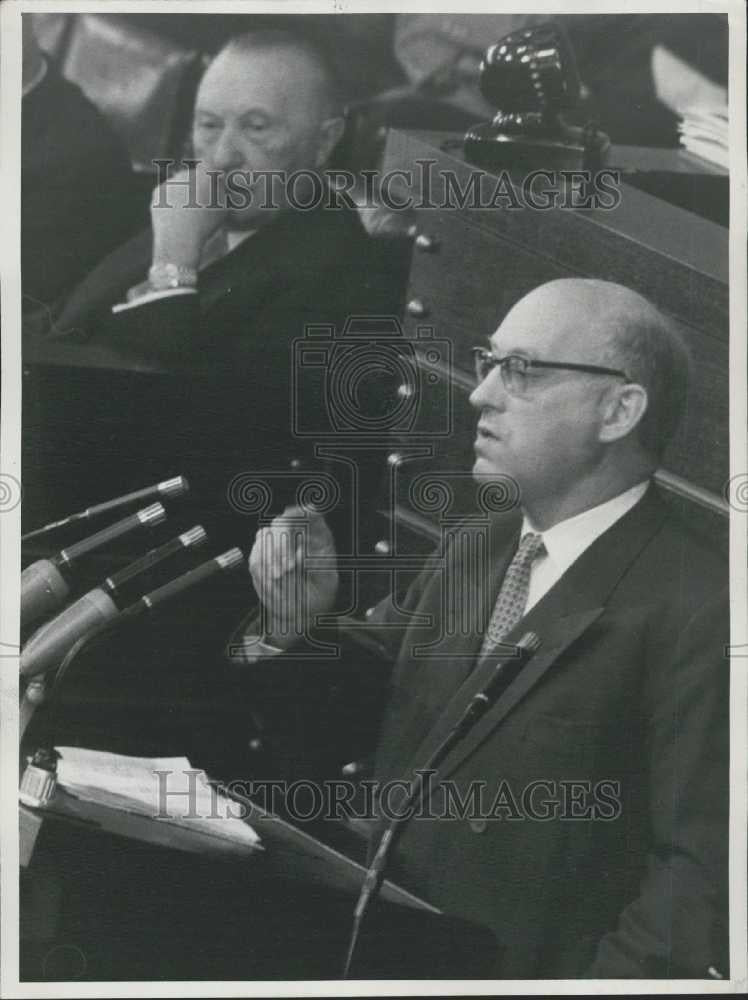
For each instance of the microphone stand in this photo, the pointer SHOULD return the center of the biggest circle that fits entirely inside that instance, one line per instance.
(228, 560)
(39, 689)
(504, 674)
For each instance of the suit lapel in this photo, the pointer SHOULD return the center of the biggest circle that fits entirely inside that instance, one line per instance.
(432, 669)
(276, 255)
(563, 615)
(474, 566)
(248, 267)
(558, 637)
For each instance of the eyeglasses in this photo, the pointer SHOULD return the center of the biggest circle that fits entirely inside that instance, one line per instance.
(516, 370)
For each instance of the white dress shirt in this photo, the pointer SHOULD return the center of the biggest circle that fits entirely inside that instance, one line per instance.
(567, 540)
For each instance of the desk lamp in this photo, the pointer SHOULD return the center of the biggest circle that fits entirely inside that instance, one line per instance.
(530, 76)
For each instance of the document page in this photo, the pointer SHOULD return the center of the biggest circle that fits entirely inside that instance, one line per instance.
(166, 789)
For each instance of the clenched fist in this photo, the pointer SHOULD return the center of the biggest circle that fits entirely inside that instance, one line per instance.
(293, 568)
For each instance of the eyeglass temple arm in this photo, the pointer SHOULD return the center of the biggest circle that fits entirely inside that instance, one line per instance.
(569, 366)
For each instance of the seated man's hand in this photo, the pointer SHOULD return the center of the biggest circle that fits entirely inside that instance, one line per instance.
(292, 564)
(185, 211)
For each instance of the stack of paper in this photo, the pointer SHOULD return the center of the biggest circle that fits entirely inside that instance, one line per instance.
(164, 789)
(704, 132)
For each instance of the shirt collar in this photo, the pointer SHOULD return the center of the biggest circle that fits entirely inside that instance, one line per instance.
(566, 541)
(236, 236)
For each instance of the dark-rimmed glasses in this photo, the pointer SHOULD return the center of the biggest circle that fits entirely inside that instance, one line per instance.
(515, 369)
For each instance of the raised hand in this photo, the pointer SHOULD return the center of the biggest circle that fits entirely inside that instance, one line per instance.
(292, 564)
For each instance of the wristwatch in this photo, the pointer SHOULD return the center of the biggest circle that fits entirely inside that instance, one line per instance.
(163, 276)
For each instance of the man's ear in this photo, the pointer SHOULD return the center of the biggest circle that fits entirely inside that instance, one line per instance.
(624, 409)
(330, 133)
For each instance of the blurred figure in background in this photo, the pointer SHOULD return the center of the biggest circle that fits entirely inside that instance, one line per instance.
(441, 54)
(78, 189)
(639, 72)
(643, 72)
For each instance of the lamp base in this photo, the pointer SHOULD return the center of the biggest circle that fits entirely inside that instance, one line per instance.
(499, 145)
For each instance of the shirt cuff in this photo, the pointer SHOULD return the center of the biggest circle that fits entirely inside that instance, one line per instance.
(251, 649)
(247, 645)
(141, 300)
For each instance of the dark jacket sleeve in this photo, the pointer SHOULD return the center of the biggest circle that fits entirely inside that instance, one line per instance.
(326, 707)
(677, 927)
(169, 329)
(249, 310)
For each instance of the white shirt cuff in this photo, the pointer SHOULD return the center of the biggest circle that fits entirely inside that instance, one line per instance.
(151, 297)
(250, 649)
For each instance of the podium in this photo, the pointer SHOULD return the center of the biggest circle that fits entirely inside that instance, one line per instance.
(104, 897)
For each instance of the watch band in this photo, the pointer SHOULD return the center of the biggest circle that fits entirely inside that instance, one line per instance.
(163, 276)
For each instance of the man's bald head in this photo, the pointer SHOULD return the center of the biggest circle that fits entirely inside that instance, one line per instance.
(305, 56)
(604, 323)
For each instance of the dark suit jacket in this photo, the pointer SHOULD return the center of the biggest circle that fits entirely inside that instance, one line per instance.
(629, 689)
(304, 267)
(630, 686)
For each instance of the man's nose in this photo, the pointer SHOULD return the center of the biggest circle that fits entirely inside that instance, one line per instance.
(489, 393)
(225, 154)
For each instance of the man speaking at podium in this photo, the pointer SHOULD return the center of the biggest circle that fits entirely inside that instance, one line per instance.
(605, 762)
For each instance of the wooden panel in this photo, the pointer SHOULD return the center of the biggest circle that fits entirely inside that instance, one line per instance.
(700, 451)
(673, 257)
(470, 280)
(656, 227)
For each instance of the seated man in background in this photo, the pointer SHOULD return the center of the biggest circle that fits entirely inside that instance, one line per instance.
(597, 846)
(218, 294)
(79, 198)
(213, 284)
(213, 299)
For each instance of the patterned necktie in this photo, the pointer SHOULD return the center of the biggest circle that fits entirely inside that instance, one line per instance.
(510, 604)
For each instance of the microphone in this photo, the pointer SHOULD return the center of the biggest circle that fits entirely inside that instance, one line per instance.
(118, 581)
(49, 644)
(228, 560)
(174, 487)
(44, 586)
(504, 673)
